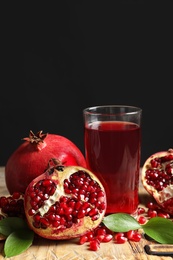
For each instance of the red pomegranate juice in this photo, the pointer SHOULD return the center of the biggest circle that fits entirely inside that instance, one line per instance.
(113, 154)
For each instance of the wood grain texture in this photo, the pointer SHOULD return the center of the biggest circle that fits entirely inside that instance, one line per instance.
(43, 249)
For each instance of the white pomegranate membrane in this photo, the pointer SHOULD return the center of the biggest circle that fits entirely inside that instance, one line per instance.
(65, 202)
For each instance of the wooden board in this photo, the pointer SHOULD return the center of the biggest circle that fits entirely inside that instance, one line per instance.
(43, 249)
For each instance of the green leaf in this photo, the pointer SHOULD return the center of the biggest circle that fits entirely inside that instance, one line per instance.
(121, 222)
(18, 241)
(11, 224)
(159, 229)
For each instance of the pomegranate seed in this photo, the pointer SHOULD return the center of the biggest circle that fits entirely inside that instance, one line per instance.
(100, 194)
(71, 203)
(83, 239)
(56, 223)
(95, 217)
(68, 210)
(32, 194)
(130, 234)
(37, 218)
(45, 196)
(78, 205)
(152, 213)
(141, 210)
(51, 217)
(31, 212)
(69, 224)
(169, 169)
(62, 221)
(142, 220)
(3, 201)
(16, 195)
(100, 231)
(81, 213)
(100, 237)
(90, 235)
(137, 237)
(155, 163)
(44, 222)
(163, 215)
(167, 158)
(120, 238)
(93, 200)
(94, 244)
(107, 238)
(133, 235)
(93, 212)
(46, 183)
(85, 205)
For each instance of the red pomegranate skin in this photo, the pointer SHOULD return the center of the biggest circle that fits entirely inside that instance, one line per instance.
(31, 159)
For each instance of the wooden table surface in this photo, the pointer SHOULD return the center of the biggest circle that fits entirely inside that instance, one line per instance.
(43, 249)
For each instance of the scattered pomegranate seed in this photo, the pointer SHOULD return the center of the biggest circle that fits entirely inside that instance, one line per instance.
(133, 235)
(107, 238)
(142, 220)
(90, 235)
(100, 231)
(163, 215)
(120, 238)
(83, 239)
(152, 213)
(94, 244)
(140, 210)
(16, 195)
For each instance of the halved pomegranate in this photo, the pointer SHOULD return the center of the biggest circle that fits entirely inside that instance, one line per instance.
(64, 202)
(157, 178)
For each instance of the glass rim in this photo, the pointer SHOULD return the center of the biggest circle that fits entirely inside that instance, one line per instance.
(91, 109)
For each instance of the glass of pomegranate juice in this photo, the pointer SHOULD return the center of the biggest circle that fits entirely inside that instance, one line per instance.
(112, 137)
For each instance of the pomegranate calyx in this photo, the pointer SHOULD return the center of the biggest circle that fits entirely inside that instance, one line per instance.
(35, 138)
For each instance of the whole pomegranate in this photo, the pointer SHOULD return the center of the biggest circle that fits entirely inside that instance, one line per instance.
(64, 202)
(31, 158)
(157, 178)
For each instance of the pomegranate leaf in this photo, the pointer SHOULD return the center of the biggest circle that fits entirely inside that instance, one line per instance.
(10, 224)
(120, 222)
(159, 229)
(18, 241)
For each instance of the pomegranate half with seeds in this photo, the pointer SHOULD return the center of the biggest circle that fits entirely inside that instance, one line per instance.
(64, 202)
(157, 178)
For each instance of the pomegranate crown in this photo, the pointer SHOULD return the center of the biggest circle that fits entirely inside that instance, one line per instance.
(35, 138)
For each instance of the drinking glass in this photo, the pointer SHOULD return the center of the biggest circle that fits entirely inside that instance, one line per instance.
(112, 138)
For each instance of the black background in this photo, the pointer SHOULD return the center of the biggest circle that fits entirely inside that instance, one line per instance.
(78, 54)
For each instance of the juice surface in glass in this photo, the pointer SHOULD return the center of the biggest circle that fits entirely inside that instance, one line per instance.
(113, 153)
